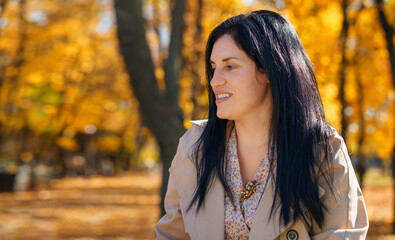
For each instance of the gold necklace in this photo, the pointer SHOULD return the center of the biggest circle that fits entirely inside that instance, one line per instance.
(248, 189)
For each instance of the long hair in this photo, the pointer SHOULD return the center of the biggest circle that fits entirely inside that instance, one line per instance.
(298, 120)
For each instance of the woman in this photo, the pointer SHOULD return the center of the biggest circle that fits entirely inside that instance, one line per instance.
(266, 164)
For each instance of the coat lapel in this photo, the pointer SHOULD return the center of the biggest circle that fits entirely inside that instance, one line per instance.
(262, 225)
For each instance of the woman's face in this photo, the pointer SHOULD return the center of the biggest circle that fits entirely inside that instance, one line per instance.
(241, 91)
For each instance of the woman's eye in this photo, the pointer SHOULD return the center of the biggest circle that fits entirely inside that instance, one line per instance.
(229, 67)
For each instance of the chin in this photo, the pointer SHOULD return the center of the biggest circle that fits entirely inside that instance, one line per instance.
(221, 116)
(224, 116)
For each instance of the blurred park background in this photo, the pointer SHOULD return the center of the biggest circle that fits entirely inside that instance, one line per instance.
(94, 95)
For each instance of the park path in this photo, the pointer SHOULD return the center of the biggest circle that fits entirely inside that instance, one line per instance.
(120, 208)
(108, 208)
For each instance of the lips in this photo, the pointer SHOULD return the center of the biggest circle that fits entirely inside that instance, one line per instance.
(222, 97)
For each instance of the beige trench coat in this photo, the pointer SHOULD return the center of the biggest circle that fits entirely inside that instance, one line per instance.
(346, 217)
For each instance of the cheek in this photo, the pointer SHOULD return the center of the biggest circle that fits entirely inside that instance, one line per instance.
(257, 92)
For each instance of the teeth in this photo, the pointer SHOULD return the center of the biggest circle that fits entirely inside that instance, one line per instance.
(219, 96)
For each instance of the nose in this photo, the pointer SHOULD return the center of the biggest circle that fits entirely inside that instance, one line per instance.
(217, 80)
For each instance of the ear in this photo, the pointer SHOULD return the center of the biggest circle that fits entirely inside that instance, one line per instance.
(261, 70)
(261, 76)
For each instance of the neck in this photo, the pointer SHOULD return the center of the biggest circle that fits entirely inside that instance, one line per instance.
(254, 130)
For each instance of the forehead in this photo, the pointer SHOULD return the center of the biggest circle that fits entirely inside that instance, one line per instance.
(226, 47)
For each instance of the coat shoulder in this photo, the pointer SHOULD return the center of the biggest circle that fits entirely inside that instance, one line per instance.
(187, 143)
(194, 132)
(336, 146)
(201, 123)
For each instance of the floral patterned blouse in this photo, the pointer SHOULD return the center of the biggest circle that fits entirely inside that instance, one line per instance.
(240, 214)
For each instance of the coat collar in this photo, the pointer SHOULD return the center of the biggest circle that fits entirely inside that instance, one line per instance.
(209, 223)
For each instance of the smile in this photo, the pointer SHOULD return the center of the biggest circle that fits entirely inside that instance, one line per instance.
(222, 97)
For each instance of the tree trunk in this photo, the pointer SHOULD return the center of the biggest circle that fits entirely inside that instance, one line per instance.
(6, 94)
(156, 109)
(3, 4)
(197, 86)
(173, 62)
(361, 169)
(389, 36)
(342, 70)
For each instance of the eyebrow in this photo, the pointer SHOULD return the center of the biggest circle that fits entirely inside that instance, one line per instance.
(225, 59)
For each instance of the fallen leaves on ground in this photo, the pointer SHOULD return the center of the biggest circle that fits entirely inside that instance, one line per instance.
(123, 207)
